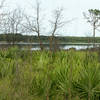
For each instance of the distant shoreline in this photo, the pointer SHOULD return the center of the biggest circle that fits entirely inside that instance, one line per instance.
(19, 38)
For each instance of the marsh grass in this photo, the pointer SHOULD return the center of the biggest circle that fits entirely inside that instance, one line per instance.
(45, 75)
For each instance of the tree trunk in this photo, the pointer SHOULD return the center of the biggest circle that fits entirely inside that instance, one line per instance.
(52, 46)
(41, 46)
(94, 34)
(50, 43)
(13, 42)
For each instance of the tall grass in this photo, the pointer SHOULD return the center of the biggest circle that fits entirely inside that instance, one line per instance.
(45, 75)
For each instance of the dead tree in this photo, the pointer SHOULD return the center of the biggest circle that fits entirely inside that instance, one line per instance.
(13, 24)
(33, 23)
(2, 14)
(56, 24)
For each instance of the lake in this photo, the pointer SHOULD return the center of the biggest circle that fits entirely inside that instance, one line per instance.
(64, 46)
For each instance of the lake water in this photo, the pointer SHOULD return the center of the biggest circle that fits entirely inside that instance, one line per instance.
(66, 47)
(63, 46)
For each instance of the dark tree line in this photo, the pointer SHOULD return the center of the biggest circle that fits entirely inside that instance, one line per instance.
(8, 38)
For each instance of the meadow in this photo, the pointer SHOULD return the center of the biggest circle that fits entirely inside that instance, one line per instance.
(46, 75)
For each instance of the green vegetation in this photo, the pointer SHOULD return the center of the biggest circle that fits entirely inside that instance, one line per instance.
(44, 39)
(45, 75)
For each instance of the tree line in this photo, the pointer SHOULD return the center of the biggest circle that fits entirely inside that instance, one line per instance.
(8, 38)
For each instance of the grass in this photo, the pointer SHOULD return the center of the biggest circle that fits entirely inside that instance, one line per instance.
(45, 75)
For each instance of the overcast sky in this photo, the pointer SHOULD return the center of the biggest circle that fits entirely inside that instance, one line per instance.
(73, 9)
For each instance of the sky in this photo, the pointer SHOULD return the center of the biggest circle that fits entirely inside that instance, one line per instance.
(73, 9)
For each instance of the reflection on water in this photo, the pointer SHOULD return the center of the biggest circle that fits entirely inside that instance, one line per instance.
(77, 47)
(66, 47)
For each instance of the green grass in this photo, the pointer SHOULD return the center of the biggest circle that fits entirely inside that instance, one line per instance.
(45, 75)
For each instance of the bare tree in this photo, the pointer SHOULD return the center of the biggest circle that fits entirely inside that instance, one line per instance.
(94, 19)
(2, 15)
(33, 23)
(13, 23)
(57, 23)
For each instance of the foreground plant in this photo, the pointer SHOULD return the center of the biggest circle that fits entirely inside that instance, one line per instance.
(88, 84)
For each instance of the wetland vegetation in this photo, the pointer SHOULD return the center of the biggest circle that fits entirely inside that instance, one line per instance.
(46, 75)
